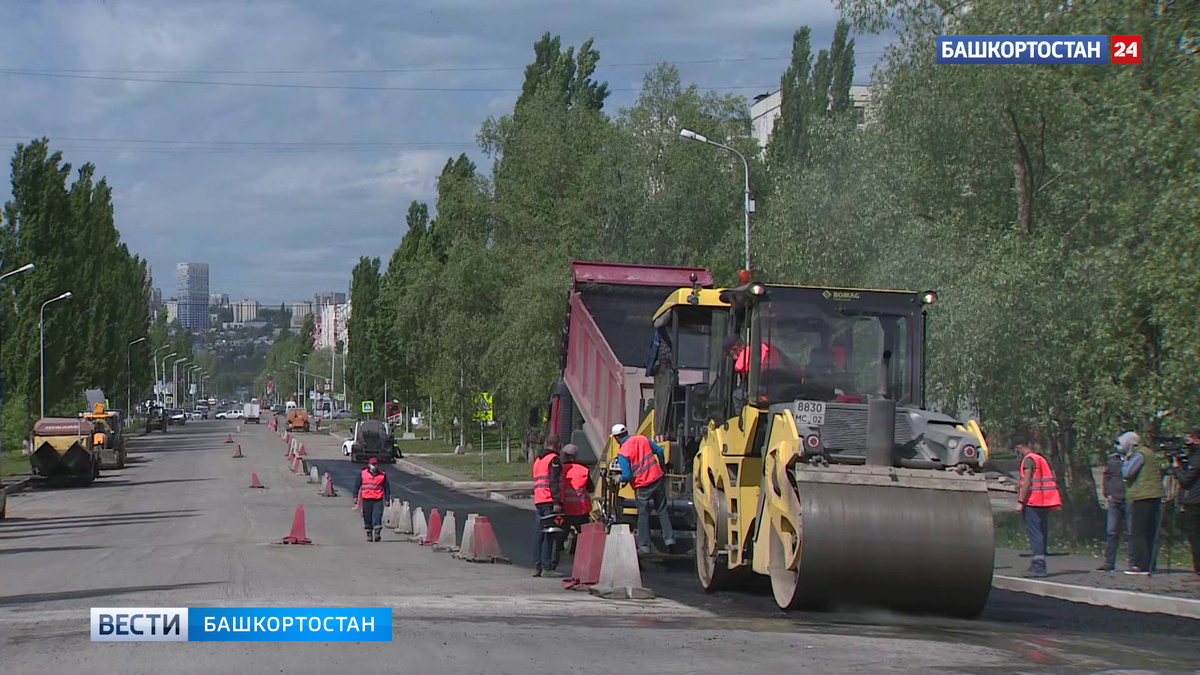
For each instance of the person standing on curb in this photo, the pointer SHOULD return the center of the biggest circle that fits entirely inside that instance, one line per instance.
(1116, 509)
(1144, 490)
(547, 500)
(1188, 474)
(373, 492)
(1037, 498)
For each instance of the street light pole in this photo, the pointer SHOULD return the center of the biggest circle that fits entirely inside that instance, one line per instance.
(42, 336)
(175, 379)
(129, 376)
(24, 268)
(157, 381)
(748, 204)
(163, 402)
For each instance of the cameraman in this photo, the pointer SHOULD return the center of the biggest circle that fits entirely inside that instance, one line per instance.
(1188, 474)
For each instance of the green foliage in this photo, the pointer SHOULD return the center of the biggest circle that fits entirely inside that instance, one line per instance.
(810, 93)
(363, 375)
(68, 232)
(1053, 209)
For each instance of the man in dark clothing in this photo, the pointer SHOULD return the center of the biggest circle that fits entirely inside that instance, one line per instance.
(1188, 475)
(372, 491)
(1116, 508)
(547, 500)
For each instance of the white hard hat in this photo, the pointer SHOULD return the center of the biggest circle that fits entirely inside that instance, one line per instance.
(619, 430)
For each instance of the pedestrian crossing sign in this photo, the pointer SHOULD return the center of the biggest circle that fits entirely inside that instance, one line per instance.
(368, 407)
(483, 409)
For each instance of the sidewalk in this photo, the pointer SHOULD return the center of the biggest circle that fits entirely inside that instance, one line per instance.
(1075, 578)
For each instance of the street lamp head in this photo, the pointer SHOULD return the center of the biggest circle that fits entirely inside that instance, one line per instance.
(689, 135)
(23, 268)
(64, 296)
(141, 339)
(170, 355)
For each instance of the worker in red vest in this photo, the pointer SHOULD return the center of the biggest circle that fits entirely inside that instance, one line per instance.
(642, 461)
(373, 492)
(547, 500)
(1037, 498)
(577, 487)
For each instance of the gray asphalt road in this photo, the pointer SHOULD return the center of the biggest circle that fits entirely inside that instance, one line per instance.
(179, 527)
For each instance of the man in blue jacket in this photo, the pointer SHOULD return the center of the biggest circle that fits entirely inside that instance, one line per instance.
(643, 464)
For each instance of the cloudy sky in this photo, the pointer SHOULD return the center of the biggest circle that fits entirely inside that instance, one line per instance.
(279, 141)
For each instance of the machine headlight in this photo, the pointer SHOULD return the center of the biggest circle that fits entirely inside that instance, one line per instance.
(952, 443)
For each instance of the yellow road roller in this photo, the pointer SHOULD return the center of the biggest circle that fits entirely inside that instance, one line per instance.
(817, 463)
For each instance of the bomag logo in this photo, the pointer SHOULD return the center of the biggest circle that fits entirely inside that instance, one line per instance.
(840, 295)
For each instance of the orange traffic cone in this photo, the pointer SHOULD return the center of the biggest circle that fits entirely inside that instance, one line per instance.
(297, 535)
(229, 438)
(238, 453)
(254, 481)
(301, 451)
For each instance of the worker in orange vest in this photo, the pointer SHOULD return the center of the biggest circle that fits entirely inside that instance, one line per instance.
(547, 500)
(577, 487)
(642, 461)
(1037, 498)
(373, 492)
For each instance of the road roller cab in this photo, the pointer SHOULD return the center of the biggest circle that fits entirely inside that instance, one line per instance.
(680, 361)
(818, 465)
(108, 436)
(61, 447)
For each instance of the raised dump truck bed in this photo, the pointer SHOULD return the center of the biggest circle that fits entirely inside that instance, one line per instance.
(605, 348)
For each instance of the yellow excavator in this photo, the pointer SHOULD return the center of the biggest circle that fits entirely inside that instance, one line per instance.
(799, 414)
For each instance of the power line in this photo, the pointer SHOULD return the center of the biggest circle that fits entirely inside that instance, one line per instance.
(386, 71)
(269, 144)
(344, 87)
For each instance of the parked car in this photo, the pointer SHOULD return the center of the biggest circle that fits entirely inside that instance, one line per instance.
(176, 416)
(343, 414)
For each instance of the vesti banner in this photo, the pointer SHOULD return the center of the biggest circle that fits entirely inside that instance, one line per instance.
(241, 624)
(1039, 49)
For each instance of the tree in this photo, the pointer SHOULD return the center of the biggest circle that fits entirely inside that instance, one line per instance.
(809, 93)
(362, 375)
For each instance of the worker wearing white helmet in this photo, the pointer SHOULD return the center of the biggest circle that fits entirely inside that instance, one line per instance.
(643, 465)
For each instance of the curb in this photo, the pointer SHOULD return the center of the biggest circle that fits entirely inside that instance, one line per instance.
(16, 486)
(1102, 597)
(409, 467)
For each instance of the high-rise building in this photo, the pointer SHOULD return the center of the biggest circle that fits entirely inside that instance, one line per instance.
(331, 326)
(156, 300)
(766, 108)
(245, 310)
(172, 307)
(220, 299)
(299, 311)
(328, 298)
(193, 296)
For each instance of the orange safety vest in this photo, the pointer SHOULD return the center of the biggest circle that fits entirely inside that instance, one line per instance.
(1043, 491)
(576, 500)
(372, 486)
(643, 463)
(541, 479)
(742, 364)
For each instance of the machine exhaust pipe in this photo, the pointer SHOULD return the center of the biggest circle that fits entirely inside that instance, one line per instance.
(881, 421)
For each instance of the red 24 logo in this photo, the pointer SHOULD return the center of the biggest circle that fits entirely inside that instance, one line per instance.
(1125, 49)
